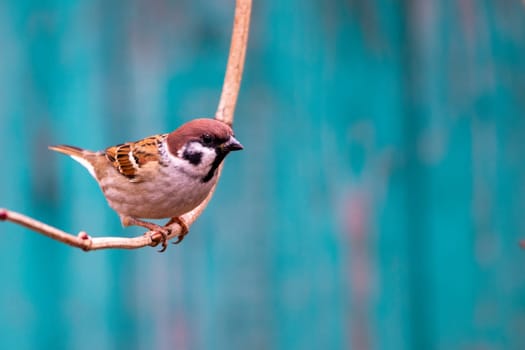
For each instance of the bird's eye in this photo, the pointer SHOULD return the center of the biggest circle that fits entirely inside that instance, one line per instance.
(207, 139)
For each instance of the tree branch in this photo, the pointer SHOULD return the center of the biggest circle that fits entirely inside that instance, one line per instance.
(225, 112)
(234, 69)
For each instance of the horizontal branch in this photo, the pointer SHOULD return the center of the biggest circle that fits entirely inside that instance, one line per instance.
(83, 241)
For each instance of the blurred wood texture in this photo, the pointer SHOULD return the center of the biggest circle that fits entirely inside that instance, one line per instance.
(378, 203)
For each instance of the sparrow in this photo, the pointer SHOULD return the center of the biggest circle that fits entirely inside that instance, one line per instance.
(161, 176)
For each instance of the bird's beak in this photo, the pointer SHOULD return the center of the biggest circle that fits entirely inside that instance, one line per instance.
(232, 145)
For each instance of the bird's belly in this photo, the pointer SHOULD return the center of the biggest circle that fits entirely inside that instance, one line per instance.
(164, 197)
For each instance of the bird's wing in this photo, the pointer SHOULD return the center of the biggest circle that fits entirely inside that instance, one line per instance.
(130, 157)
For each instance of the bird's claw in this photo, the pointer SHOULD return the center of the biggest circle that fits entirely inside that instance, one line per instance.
(184, 228)
(164, 233)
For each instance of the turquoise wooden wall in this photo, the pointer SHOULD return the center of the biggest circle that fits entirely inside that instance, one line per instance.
(377, 205)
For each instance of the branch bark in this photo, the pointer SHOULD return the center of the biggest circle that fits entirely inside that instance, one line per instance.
(225, 113)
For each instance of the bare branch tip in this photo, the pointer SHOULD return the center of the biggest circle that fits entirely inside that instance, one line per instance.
(522, 244)
(3, 214)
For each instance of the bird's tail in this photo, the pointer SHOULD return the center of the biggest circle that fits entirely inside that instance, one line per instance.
(86, 158)
(69, 150)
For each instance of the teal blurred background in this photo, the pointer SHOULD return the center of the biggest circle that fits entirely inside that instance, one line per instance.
(377, 205)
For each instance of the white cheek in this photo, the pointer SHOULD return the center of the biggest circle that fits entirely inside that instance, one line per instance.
(207, 159)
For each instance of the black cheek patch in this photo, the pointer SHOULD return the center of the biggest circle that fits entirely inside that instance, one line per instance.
(192, 157)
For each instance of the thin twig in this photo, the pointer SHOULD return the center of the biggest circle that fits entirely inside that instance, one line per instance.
(225, 112)
(234, 69)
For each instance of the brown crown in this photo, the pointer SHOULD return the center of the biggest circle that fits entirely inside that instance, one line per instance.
(195, 129)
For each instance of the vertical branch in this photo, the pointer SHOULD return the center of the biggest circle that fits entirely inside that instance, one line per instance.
(234, 69)
(230, 90)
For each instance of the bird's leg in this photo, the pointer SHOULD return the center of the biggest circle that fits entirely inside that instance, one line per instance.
(164, 231)
(184, 228)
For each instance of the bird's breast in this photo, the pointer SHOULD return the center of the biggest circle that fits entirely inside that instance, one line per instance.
(159, 193)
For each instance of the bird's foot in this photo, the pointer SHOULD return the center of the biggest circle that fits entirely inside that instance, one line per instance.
(165, 232)
(154, 230)
(184, 228)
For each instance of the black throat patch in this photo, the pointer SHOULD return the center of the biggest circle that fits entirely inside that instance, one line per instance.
(218, 160)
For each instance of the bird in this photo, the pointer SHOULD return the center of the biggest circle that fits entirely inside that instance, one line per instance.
(162, 176)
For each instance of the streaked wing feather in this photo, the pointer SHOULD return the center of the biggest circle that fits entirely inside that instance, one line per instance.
(130, 157)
